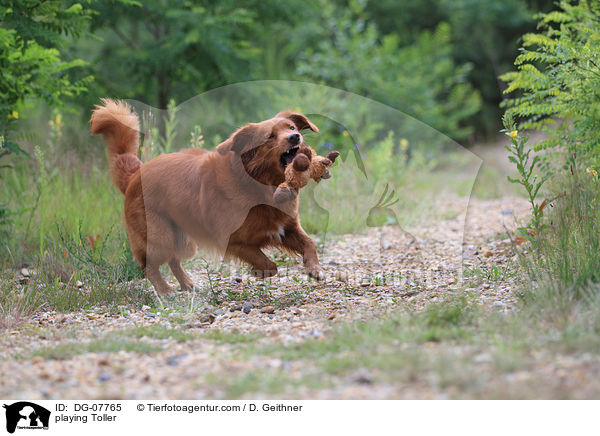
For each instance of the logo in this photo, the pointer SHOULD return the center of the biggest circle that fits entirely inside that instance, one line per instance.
(26, 415)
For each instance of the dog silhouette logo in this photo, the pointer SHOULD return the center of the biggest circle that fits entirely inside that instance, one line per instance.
(26, 415)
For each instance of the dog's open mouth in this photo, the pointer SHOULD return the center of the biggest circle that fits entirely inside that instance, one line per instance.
(287, 157)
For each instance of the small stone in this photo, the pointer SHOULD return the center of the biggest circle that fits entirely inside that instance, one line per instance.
(486, 286)
(103, 361)
(247, 308)
(145, 308)
(295, 311)
(498, 304)
(483, 358)
(341, 276)
(174, 360)
(506, 212)
(238, 279)
(25, 272)
(332, 316)
(104, 377)
(207, 317)
(236, 307)
(364, 378)
(488, 254)
(79, 284)
(268, 309)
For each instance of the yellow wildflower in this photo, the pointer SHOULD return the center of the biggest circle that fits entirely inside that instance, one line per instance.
(345, 133)
(403, 144)
(58, 119)
(592, 171)
(1, 139)
(15, 115)
(514, 134)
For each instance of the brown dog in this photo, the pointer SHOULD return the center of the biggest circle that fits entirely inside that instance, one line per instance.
(219, 200)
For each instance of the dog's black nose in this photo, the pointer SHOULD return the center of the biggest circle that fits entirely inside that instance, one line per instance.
(294, 138)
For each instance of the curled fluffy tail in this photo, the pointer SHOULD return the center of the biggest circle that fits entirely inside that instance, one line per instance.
(120, 126)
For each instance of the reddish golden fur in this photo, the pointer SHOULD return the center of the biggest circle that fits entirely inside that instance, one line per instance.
(219, 200)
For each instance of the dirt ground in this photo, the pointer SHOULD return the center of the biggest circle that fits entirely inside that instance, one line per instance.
(135, 354)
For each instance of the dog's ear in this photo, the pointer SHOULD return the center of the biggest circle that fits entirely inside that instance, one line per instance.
(244, 139)
(301, 121)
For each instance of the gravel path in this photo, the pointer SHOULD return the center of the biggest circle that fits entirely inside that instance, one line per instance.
(367, 277)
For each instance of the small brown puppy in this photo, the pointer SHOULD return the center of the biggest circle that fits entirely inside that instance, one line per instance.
(219, 200)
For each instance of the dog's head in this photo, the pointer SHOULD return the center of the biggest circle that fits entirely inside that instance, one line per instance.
(266, 148)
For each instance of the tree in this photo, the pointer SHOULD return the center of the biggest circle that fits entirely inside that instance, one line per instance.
(30, 62)
(157, 50)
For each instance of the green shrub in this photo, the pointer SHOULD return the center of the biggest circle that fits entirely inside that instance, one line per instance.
(558, 81)
(420, 79)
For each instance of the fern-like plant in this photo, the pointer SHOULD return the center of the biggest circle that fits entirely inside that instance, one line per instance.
(556, 88)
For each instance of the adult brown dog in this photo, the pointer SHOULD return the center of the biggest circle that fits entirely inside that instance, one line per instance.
(219, 200)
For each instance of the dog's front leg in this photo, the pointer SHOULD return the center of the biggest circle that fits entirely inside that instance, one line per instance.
(297, 240)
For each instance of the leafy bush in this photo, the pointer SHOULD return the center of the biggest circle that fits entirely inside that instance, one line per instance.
(558, 80)
(420, 79)
(29, 58)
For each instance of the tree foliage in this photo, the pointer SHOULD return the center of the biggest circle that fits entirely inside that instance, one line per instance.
(30, 62)
(556, 86)
(420, 79)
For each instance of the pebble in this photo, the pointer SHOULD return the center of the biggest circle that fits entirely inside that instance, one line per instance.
(79, 284)
(498, 304)
(236, 307)
(267, 309)
(341, 276)
(247, 308)
(207, 318)
(104, 377)
(25, 272)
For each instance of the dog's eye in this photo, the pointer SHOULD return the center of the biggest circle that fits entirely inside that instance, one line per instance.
(271, 136)
(292, 128)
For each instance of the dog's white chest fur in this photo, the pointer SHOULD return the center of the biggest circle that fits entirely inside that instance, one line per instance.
(276, 236)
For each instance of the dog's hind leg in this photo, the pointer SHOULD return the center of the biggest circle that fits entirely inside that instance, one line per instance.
(186, 282)
(153, 274)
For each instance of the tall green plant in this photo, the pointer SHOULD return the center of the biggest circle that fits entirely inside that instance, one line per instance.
(556, 86)
(520, 155)
(31, 34)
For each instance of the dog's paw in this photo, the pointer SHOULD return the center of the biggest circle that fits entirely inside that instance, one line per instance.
(316, 273)
(263, 274)
(283, 195)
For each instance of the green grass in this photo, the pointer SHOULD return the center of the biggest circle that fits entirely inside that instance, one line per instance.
(489, 272)
(229, 337)
(157, 332)
(65, 351)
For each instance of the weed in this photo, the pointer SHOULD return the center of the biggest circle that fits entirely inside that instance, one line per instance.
(227, 337)
(65, 351)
